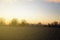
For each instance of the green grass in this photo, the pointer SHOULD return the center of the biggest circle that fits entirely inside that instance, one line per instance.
(26, 33)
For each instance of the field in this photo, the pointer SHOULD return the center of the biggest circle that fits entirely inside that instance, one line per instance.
(29, 33)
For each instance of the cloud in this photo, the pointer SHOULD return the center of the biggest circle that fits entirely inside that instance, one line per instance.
(14, 1)
(7, 1)
(26, 0)
(56, 1)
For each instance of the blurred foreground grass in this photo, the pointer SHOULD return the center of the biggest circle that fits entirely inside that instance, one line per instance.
(29, 33)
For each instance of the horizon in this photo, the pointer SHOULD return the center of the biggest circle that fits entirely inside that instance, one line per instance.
(19, 21)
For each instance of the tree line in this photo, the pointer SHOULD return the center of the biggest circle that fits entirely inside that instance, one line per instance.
(14, 22)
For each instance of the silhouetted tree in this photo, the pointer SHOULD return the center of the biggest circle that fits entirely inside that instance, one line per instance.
(2, 21)
(23, 23)
(14, 22)
(55, 24)
(39, 24)
(49, 25)
(59, 25)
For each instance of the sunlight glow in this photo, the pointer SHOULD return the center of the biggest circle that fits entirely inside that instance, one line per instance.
(30, 10)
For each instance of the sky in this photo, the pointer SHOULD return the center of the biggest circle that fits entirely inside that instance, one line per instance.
(33, 11)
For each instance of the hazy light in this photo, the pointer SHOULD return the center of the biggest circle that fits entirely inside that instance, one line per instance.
(56, 1)
(29, 10)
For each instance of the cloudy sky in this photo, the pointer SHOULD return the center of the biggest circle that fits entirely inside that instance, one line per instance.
(33, 10)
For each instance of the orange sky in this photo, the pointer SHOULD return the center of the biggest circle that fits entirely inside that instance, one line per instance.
(53, 0)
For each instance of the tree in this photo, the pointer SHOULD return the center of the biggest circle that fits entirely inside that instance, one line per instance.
(39, 24)
(49, 25)
(54, 24)
(2, 21)
(23, 23)
(14, 22)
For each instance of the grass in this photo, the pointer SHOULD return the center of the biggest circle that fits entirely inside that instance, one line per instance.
(28, 33)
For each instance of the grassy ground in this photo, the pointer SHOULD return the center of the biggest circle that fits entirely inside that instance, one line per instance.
(29, 33)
